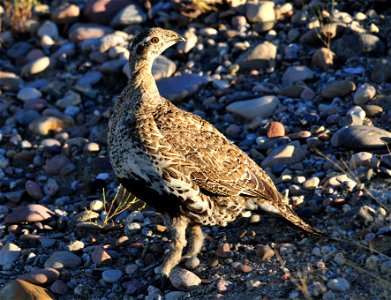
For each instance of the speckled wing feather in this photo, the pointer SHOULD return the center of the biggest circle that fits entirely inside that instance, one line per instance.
(221, 167)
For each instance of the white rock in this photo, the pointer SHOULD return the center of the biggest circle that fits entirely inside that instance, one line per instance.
(364, 93)
(259, 107)
(366, 159)
(36, 66)
(96, 205)
(183, 279)
(28, 93)
(296, 74)
(262, 11)
(339, 284)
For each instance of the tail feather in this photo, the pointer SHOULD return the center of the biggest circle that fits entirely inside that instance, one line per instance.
(281, 208)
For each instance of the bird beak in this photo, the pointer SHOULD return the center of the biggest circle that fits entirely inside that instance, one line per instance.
(180, 39)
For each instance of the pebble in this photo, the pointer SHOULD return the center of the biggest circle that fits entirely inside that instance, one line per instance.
(223, 250)
(373, 110)
(275, 129)
(45, 125)
(66, 13)
(131, 14)
(364, 93)
(338, 284)
(323, 58)
(41, 276)
(54, 164)
(262, 14)
(100, 256)
(385, 267)
(28, 93)
(311, 183)
(192, 262)
(264, 252)
(366, 159)
(338, 88)
(37, 66)
(29, 213)
(59, 287)
(111, 276)
(90, 78)
(48, 28)
(260, 107)
(360, 138)
(285, 154)
(20, 289)
(71, 98)
(63, 259)
(258, 57)
(8, 254)
(131, 269)
(191, 41)
(9, 80)
(223, 286)
(88, 31)
(176, 295)
(33, 189)
(75, 246)
(103, 11)
(297, 74)
(163, 67)
(183, 279)
(51, 187)
(96, 205)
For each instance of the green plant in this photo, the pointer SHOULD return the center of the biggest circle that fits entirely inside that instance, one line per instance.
(17, 12)
(122, 201)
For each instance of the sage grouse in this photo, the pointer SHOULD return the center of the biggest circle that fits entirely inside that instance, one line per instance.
(179, 163)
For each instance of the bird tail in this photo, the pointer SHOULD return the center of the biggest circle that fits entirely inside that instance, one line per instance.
(280, 207)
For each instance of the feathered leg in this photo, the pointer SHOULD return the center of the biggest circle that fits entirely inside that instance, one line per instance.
(178, 232)
(196, 240)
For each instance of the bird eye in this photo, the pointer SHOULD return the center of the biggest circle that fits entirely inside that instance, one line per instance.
(155, 40)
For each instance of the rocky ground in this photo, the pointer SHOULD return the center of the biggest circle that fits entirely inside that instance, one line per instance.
(303, 87)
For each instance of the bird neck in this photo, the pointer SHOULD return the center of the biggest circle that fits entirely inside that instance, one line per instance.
(141, 76)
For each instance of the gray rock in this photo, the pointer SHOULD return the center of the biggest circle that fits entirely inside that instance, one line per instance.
(176, 295)
(63, 259)
(296, 74)
(163, 67)
(361, 138)
(113, 66)
(178, 88)
(89, 78)
(131, 14)
(28, 93)
(338, 284)
(183, 279)
(48, 28)
(19, 49)
(338, 88)
(26, 116)
(9, 253)
(259, 57)
(353, 45)
(260, 107)
(285, 154)
(111, 275)
(262, 13)
(10, 80)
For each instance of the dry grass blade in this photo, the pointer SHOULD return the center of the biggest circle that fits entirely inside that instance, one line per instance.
(17, 12)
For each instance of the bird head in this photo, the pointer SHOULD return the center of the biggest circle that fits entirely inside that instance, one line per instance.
(151, 42)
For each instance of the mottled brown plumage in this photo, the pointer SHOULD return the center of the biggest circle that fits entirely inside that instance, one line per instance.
(179, 163)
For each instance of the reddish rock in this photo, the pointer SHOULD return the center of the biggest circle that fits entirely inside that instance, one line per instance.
(54, 164)
(41, 276)
(223, 250)
(68, 13)
(264, 252)
(276, 129)
(103, 11)
(244, 268)
(33, 189)
(29, 213)
(88, 31)
(100, 256)
(299, 135)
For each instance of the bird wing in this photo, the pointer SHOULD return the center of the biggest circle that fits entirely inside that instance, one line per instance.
(218, 166)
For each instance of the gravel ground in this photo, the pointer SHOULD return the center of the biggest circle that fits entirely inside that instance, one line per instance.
(303, 87)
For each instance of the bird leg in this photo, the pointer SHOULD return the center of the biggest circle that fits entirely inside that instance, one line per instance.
(178, 232)
(196, 240)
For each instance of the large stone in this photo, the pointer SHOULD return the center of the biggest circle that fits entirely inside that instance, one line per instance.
(178, 88)
(40, 276)
(29, 213)
(82, 32)
(258, 57)
(353, 45)
(259, 107)
(381, 71)
(262, 13)
(163, 67)
(364, 93)
(23, 290)
(361, 138)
